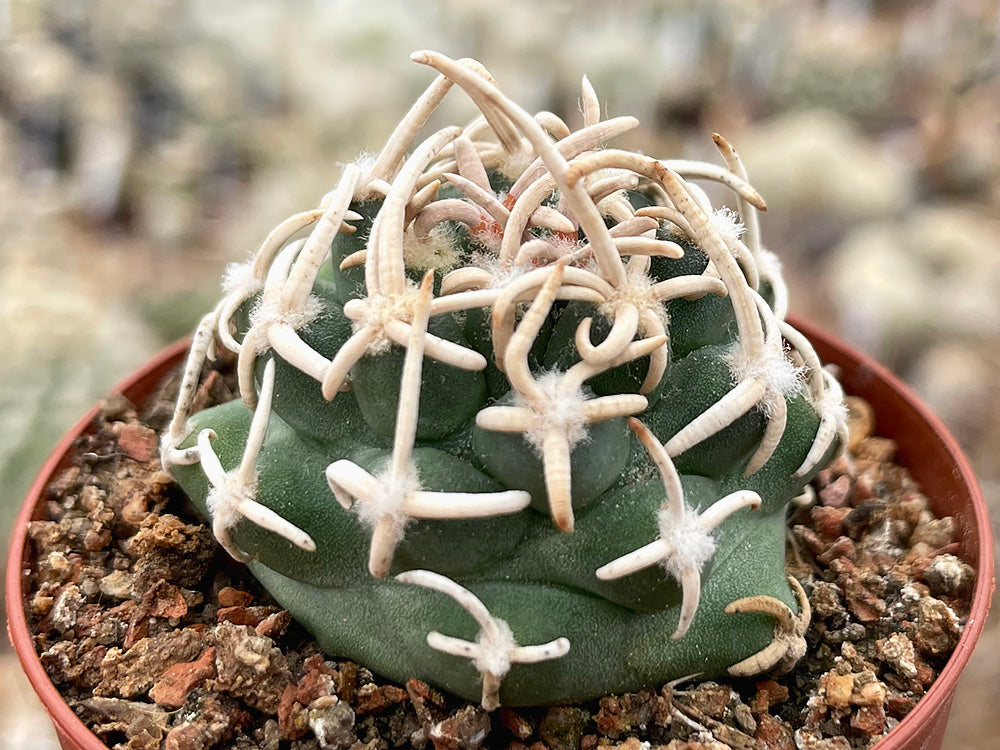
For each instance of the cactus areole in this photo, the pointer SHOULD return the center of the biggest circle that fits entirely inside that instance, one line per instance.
(520, 412)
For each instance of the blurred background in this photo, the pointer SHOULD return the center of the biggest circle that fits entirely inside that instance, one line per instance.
(143, 145)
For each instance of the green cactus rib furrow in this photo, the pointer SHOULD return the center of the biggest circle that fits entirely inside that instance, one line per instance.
(517, 414)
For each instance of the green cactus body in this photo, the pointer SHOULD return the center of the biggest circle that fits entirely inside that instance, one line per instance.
(543, 472)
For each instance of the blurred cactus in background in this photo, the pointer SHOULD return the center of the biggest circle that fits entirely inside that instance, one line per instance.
(545, 380)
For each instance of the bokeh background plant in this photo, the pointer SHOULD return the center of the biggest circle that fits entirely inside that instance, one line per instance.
(158, 141)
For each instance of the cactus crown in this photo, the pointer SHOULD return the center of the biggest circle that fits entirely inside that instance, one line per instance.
(547, 384)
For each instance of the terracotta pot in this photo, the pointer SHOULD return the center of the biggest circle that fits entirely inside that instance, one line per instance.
(925, 447)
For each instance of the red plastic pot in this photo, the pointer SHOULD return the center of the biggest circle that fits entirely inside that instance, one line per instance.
(925, 447)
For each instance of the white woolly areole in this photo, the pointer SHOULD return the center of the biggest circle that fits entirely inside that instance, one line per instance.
(691, 546)
(727, 223)
(239, 279)
(501, 274)
(775, 370)
(435, 251)
(269, 312)
(388, 499)
(382, 308)
(561, 408)
(831, 404)
(494, 654)
(637, 290)
(365, 162)
(490, 237)
(223, 501)
(564, 245)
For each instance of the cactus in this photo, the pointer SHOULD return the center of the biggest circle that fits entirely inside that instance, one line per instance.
(520, 416)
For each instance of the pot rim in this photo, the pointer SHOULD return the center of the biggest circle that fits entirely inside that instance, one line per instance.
(941, 692)
(68, 724)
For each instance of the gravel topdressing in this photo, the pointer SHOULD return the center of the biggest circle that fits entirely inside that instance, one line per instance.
(158, 640)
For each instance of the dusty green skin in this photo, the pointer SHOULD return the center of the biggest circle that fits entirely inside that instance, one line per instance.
(527, 572)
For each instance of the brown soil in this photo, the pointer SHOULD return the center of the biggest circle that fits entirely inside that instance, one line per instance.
(158, 640)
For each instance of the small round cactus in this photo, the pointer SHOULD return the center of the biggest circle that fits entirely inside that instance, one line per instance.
(520, 415)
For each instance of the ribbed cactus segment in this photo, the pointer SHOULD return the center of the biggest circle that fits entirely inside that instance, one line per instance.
(520, 415)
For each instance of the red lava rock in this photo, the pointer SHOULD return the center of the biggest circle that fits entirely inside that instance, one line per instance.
(373, 699)
(316, 663)
(171, 690)
(207, 393)
(925, 673)
(773, 733)
(131, 673)
(768, 694)
(138, 441)
(865, 605)
(230, 597)
(899, 706)
(97, 539)
(425, 700)
(864, 489)
(292, 720)
(319, 680)
(869, 719)
(314, 685)
(514, 723)
(275, 624)
(239, 615)
(809, 538)
(837, 494)
(829, 521)
(825, 477)
(842, 548)
(163, 601)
